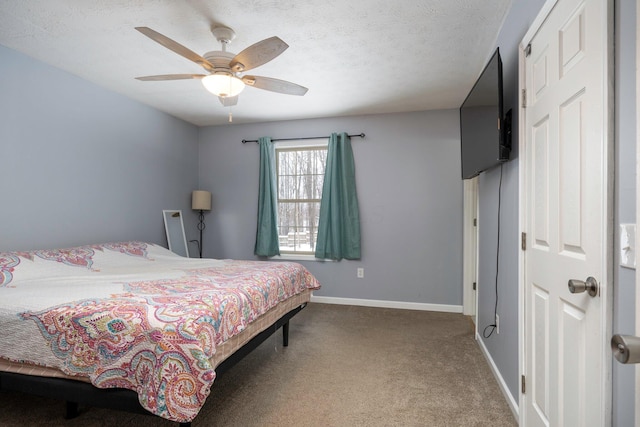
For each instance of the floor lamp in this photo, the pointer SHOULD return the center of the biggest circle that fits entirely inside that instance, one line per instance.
(201, 201)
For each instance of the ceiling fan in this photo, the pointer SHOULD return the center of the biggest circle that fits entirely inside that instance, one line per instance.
(223, 68)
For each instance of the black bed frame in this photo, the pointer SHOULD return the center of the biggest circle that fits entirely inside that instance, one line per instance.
(77, 392)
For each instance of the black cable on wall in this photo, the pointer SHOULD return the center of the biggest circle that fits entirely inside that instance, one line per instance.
(492, 328)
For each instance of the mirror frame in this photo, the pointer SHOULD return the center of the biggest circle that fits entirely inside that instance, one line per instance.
(171, 218)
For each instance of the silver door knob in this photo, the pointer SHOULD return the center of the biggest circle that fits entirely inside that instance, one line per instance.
(578, 286)
(626, 348)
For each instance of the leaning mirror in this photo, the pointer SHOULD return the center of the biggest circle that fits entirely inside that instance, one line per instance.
(174, 228)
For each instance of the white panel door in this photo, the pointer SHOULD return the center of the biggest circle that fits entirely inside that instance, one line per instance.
(567, 209)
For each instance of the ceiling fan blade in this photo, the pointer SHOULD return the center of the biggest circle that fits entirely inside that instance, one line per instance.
(228, 101)
(275, 85)
(170, 77)
(176, 47)
(258, 54)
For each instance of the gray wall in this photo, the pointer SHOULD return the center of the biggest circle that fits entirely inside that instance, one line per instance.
(625, 194)
(80, 164)
(409, 191)
(503, 347)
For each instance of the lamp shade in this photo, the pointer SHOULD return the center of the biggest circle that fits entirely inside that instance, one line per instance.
(223, 84)
(201, 200)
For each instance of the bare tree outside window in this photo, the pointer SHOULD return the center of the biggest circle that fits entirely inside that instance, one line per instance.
(300, 176)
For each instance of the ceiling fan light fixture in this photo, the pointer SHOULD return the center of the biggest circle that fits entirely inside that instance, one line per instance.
(223, 84)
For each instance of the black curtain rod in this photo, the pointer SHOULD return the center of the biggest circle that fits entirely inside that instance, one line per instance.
(244, 141)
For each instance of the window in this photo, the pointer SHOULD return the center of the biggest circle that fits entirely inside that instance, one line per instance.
(300, 174)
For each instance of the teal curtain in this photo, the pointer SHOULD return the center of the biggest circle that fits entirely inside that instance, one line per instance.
(267, 233)
(339, 225)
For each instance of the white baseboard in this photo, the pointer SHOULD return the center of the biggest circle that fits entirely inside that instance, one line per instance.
(388, 304)
(503, 385)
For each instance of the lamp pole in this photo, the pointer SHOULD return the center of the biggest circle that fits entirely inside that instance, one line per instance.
(201, 226)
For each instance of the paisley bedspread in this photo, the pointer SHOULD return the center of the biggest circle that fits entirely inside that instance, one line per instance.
(134, 315)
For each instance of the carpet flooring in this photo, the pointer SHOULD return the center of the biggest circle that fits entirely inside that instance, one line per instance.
(345, 366)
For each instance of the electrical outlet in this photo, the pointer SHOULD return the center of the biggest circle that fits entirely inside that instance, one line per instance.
(497, 324)
(360, 273)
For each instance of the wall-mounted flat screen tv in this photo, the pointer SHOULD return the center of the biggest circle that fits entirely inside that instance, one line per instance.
(484, 144)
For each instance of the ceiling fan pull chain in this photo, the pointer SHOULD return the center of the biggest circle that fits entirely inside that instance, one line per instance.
(230, 115)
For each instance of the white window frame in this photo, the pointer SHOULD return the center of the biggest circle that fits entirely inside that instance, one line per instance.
(297, 144)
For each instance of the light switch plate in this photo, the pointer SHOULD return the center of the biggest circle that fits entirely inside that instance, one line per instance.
(628, 245)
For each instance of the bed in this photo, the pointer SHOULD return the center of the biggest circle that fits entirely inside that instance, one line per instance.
(131, 318)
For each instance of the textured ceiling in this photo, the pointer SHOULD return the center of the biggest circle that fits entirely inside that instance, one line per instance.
(356, 57)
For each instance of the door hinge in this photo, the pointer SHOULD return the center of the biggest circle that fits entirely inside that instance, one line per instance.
(474, 286)
(475, 222)
(523, 385)
(524, 241)
(524, 98)
(527, 50)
